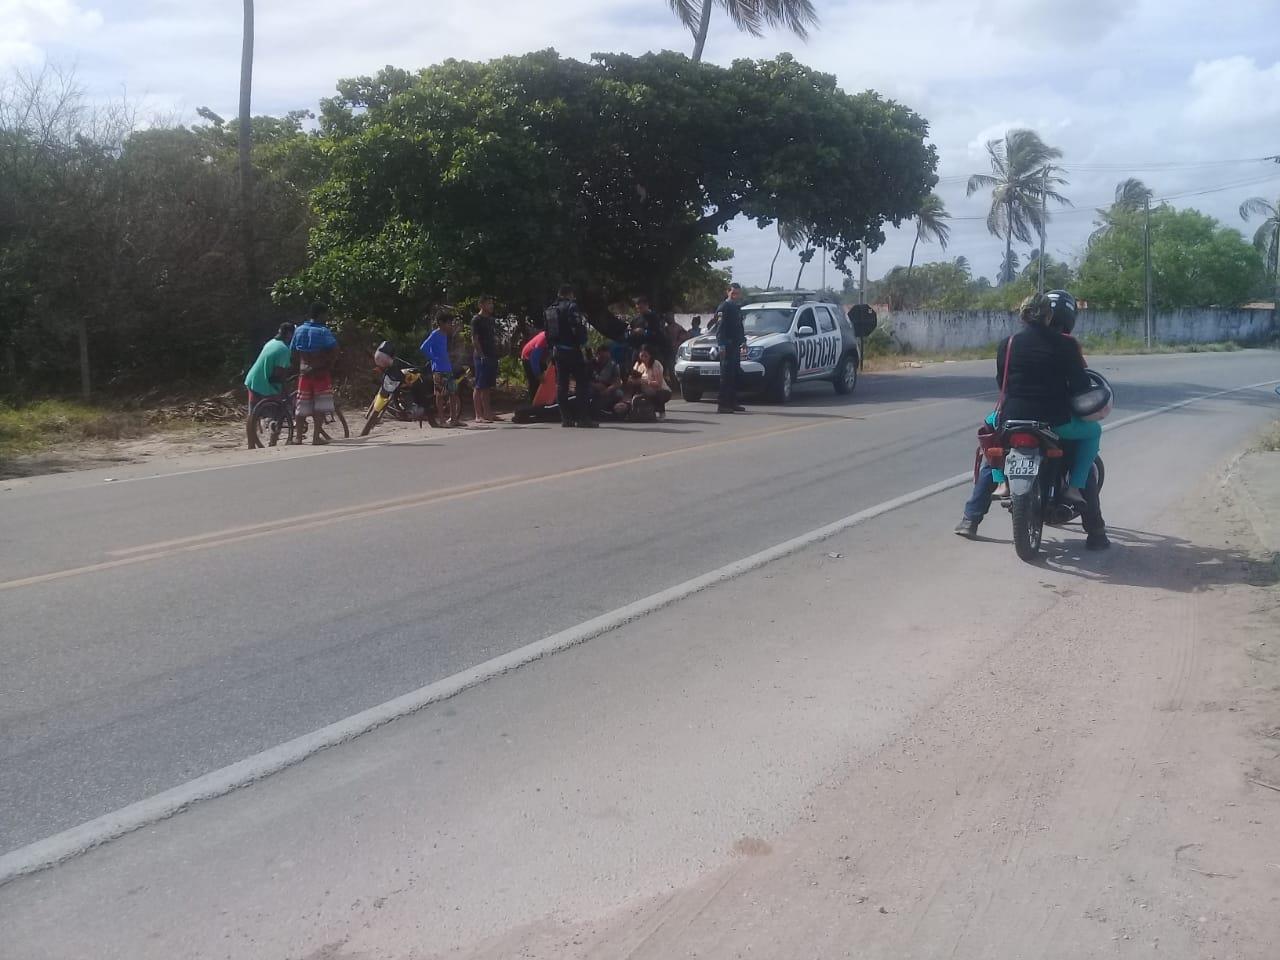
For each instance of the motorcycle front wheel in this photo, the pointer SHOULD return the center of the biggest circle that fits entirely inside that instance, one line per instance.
(1028, 522)
(371, 419)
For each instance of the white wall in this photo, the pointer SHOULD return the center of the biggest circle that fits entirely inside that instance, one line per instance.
(931, 331)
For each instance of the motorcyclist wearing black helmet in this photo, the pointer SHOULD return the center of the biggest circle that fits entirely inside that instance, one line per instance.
(1045, 368)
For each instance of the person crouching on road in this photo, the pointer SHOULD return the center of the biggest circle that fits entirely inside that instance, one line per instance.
(567, 334)
(317, 348)
(484, 343)
(436, 349)
(648, 381)
(266, 376)
(532, 358)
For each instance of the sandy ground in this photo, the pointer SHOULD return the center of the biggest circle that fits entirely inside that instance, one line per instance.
(1107, 785)
(197, 445)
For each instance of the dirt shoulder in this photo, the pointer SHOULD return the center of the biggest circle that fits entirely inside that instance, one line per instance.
(1108, 783)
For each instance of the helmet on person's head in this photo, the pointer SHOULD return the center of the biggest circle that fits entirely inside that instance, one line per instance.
(1064, 311)
(1036, 310)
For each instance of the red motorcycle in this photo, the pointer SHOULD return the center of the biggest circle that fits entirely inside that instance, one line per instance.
(1037, 462)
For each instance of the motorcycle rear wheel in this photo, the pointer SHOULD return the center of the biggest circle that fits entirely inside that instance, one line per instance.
(1028, 523)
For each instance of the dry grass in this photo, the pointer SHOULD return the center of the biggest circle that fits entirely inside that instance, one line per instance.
(32, 427)
(1269, 442)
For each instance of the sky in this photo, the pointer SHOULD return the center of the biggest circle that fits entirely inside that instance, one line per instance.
(1176, 92)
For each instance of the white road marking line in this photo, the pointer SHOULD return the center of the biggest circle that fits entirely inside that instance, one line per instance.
(71, 843)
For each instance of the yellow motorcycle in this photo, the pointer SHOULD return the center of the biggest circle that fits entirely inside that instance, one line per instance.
(403, 393)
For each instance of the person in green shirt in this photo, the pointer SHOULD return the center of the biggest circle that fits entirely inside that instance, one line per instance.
(265, 378)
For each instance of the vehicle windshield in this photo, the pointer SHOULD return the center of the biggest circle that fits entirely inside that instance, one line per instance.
(759, 322)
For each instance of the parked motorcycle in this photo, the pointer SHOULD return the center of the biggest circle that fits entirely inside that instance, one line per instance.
(401, 394)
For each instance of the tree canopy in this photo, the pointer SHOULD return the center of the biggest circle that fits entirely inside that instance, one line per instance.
(1195, 262)
(515, 175)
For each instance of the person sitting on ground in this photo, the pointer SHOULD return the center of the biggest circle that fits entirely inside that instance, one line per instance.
(606, 381)
(436, 349)
(648, 380)
(316, 347)
(267, 375)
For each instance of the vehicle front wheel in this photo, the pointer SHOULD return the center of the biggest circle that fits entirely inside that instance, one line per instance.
(784, 382)
(846, 378)
(689, 392)
(371, 419)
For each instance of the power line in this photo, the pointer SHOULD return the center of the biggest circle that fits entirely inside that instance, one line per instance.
(1090, 209)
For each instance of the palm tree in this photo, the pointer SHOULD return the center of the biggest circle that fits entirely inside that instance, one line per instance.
(930, 225)
(246, 153)
(789, 233)
(1009, 267)
(1267, 239)
(1131, 195)
(1022, 177)
(805, 256)
(749, 15)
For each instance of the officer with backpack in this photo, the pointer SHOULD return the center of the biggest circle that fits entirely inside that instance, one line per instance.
(567, 335)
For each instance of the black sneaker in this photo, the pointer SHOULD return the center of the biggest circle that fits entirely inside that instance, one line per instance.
(967, 528)
(1098, 541)
(725, 410)
(587, 423)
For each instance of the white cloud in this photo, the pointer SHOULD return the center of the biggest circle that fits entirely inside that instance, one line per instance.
(29, 24)
(1234, 92)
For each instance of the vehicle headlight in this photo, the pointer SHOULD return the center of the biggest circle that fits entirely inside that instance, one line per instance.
(685, 351)
(753, 353)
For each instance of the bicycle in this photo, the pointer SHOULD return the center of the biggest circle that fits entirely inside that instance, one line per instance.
(273, 416)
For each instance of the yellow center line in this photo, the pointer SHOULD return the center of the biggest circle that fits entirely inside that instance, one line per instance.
(128, 556)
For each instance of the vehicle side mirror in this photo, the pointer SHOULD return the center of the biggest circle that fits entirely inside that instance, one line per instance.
(806, 331)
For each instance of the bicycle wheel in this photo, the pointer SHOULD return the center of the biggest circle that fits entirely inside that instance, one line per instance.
(269, 419)
(337, 415)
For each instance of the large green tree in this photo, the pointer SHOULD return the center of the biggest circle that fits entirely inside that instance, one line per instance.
(617, 175)
(120, 250)
(750, 16)
(1195, 262)
(1022, 178)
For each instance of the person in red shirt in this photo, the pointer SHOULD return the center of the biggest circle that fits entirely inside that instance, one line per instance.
(532, 355)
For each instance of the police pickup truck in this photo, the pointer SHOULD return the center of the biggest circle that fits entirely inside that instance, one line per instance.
(790, 339)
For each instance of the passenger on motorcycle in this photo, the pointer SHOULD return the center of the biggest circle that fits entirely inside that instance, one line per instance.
(1046, 369)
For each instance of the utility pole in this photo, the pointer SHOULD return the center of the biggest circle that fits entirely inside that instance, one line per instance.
(1044, 212)
(862, 275)
(1146, 246)
(824, 266)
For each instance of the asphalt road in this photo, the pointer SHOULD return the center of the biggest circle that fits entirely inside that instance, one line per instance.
(168, 623)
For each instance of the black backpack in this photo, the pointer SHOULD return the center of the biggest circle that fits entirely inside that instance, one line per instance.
(863, 319)
(552, 320)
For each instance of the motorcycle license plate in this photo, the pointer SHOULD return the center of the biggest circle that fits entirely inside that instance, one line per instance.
(1020, 465)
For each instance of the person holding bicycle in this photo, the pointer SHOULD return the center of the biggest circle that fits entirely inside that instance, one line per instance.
(316, 347)
(268, 373)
